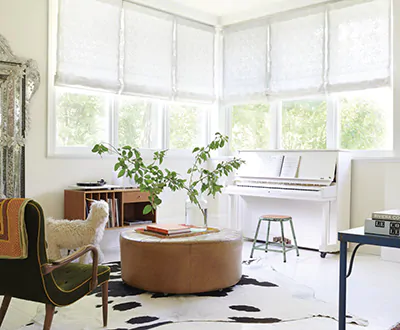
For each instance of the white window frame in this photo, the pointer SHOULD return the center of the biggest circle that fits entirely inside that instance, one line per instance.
(332, 125)
(85, 152)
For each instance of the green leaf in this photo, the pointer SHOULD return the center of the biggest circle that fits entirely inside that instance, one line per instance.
(147, 209)
(121, 173)
(195, 150)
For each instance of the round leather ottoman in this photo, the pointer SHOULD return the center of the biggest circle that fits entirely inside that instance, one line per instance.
(181, 265)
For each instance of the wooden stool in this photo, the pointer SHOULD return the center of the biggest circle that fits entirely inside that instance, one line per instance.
(264, 246)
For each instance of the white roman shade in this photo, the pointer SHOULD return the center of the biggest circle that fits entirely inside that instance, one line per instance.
(297, 54)
(245, 61)
(194, 61)
(122, 47)
(359, 45)
(88, 44)
(332, 47)
(148, 51)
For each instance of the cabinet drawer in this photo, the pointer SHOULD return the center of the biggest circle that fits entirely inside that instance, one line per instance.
(136, 196)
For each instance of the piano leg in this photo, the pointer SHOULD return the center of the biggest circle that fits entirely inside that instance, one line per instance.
(325, 229)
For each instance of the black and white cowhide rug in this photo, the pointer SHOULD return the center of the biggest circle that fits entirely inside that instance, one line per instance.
(262, 297)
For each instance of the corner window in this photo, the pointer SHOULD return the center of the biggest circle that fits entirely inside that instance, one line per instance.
(187, 126)
(138, 122)
(250, 127)
(304, 124)
(82, 118)
(365, 119)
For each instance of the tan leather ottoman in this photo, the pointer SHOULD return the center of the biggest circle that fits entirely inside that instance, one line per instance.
(181, 265)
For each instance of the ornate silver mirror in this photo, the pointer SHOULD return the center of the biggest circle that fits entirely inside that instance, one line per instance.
(19, 80)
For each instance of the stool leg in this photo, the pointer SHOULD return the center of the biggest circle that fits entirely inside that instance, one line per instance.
(294, 237)
(283, 241)
(267, 239)
(255, 238)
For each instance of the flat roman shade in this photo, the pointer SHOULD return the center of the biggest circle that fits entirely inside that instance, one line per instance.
(118, 46)
(325, 48)
(148, 51)
(297, 55)
(88, 44)
(194, 61)
(359, 45)
(245, 61)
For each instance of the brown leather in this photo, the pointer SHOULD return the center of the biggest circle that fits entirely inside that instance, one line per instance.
(182, 265)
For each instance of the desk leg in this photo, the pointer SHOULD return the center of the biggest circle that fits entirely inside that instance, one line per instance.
(342, 285)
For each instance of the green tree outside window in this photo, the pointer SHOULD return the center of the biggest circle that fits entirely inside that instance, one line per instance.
(250, 127)
(186, 126)
(134, 123)
(362, 124)
(304, 124)
(81, 119)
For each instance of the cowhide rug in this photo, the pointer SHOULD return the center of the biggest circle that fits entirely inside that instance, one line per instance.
(262, 297)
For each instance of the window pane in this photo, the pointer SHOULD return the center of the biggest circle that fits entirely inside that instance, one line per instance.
(365, 119)
(250, 127)
(135, 124)
(82, 119)
(187, 126)
(304, 124)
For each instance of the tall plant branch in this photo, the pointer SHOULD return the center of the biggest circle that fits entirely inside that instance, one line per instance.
(151, 178)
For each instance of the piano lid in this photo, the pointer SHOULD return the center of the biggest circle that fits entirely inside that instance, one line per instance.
(299, 167)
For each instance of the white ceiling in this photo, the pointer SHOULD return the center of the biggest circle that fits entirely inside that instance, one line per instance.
(227, 7)
(225, 12)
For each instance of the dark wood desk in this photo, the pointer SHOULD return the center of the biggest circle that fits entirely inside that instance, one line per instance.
(356, 235)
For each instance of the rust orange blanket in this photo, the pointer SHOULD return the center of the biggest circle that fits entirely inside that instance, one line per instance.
(13, 236)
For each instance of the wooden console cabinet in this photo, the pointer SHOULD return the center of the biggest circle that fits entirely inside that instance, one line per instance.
(126, 205)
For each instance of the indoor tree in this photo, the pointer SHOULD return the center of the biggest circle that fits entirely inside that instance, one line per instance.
(152, 178)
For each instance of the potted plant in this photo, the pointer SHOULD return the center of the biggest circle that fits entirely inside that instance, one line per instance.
(152, 178)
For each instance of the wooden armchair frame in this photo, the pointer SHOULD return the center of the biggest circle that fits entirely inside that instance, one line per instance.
(49, 267)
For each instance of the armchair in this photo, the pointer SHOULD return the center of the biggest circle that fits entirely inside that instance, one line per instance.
(55, 283)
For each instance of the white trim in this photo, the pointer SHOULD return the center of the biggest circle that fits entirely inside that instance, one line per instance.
(51, 69)
(275, 124)
(396, 76)
(181, 10)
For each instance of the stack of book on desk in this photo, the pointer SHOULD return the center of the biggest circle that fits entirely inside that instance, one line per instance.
(168, 229)
(385, 223)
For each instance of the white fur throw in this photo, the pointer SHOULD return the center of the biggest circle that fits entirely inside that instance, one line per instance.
(74, 234)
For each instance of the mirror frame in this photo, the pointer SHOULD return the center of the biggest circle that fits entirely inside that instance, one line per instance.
(19, 80)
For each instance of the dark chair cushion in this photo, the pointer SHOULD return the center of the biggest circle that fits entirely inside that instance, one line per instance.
(71, 282)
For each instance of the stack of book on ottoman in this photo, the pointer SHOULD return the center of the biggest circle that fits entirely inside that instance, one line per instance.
(383, 223)
(168, 229)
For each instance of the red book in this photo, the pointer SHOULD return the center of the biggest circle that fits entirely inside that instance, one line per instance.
(168, 228)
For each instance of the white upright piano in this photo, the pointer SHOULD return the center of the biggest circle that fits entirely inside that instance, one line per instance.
(311, 186)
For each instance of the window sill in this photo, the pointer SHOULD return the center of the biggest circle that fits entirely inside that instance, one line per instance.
(85, 153)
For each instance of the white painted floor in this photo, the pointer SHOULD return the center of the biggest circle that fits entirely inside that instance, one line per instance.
(373, 291)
